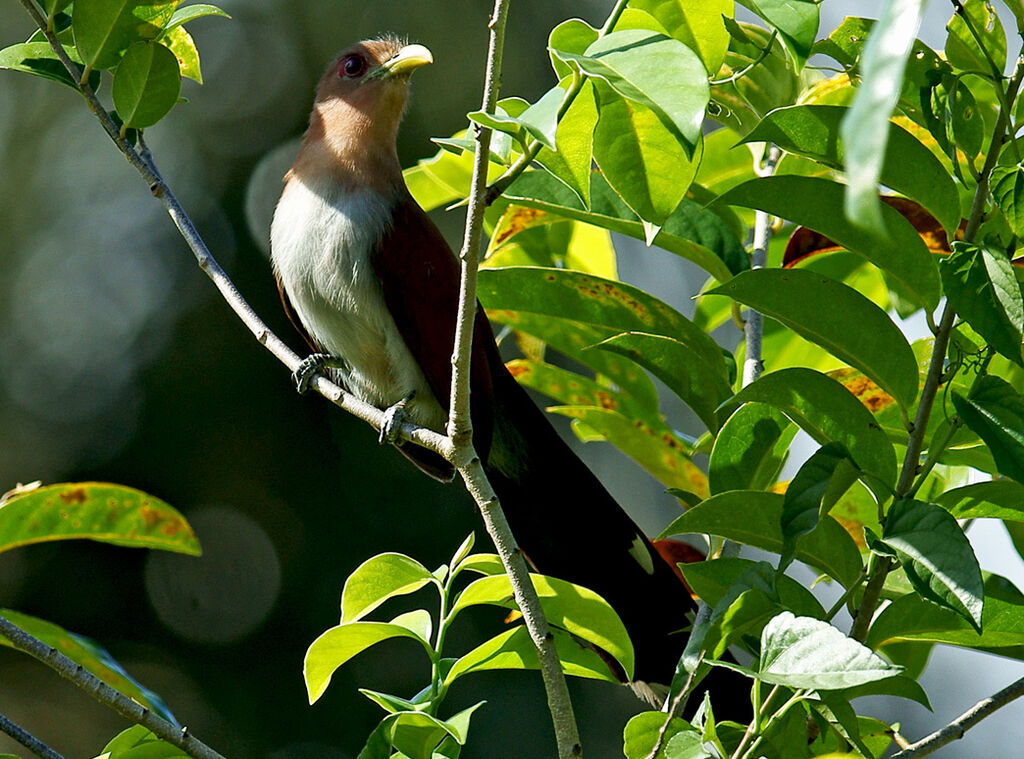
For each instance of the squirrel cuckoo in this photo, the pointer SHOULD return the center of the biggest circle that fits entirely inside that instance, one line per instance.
(373, 286)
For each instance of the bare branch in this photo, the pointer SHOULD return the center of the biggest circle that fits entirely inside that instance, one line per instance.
(26, 739)
(753, 328)
(266, 337)
(460, 429)
(103, 693)
(955, 730)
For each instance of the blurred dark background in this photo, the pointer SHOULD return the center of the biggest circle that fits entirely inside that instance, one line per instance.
(119, 362)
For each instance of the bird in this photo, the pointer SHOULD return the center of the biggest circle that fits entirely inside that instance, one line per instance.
(373, 286)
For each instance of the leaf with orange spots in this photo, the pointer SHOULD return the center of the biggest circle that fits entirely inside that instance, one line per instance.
(805, 242)
(90, 655)
(96, 511)
(656, 449)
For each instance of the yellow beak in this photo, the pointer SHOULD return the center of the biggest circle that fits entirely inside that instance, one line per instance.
(406, 60)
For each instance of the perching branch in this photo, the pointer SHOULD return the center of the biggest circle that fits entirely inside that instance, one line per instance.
(103, 693)
(329, 390)
(460, 429)
(955, 730)
(936, 366)
(26, 739)
(463, 456)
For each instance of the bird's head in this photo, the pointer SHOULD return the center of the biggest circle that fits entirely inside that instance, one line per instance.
(360, 100)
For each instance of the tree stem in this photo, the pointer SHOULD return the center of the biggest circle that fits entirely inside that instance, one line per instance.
(26, 739)
(956, 729)
(460, 430)
(103, 693)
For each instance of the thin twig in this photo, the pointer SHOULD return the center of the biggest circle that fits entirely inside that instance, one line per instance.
(26, 739)
(103, 693)
(955, 730)
(329, 390)
(753, 329)
(936, 366)
(460, 430)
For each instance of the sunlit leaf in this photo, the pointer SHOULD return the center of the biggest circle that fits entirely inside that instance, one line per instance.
(97, 511)
(936, 556)
(835, 317)
(865, 129)
(147, 83)
(796, 20)
(750, 449)
(104, 29)
(996, 499)
(815, 202)
(964, 51)
(753, 517)
(699, 26)
(38, 59)
(377, 579)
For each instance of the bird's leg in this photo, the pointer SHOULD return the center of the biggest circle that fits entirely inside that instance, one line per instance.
(314, 363)
(394, 417)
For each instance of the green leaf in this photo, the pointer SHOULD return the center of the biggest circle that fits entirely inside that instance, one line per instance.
(815, 488)
(180, 42)
(104, 29)
(593, 300)
(90, 655)
(691, 231)
(191, 12)
(38, 59)
(53, 7)
(796, 20)
(481, 563)
(936, 556)
(981, 286)
(570, 38)
(964, 52)
(570, 607)
(573, 389)
(339, 644)
(754, 518)
(864, 130)
(815, 202)
(913, 618)
(699, 26)
(998, 499)
(995, 411)
(909, 167)
(139, 743)
(657, 449)
(642, 159)
(377, 579)
(389, 703)
(750, 449)
(712, 579)
(655, 71)
(801, 652)
(574, 139)
(1007, 185)
(94, 510)
(835, 317)
(526, 236)
(828, 412)
(642, 732)
(444, 177)
(146, 84)
(700, 385)
(900, 686)
(514, 649)
(575, 340)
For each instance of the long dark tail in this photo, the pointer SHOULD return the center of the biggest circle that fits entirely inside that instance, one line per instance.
(569, 526)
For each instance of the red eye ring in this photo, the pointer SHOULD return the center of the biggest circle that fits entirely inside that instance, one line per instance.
(352, 66)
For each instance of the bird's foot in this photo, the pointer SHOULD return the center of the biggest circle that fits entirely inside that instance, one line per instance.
(313, 364)
(394, 418)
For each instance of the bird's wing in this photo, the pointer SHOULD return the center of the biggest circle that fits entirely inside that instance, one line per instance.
(293, 317)
(419, 275)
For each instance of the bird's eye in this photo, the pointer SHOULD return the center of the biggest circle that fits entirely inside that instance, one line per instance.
(353, 66)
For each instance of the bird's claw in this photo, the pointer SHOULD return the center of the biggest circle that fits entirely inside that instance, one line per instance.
(311, 365)
(394, 417)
